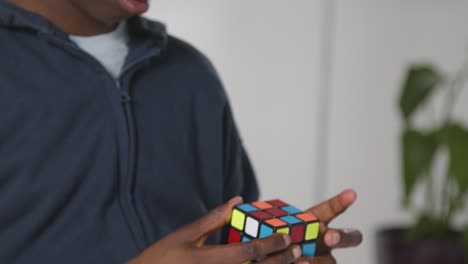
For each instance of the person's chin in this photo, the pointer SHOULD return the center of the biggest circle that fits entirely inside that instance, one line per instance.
(135, 7)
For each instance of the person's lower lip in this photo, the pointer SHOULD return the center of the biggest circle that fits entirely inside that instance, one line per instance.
(136, 6)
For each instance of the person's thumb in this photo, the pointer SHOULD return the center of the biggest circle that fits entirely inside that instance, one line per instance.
(199, 230)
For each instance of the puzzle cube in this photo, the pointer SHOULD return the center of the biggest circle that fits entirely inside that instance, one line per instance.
(265, 218)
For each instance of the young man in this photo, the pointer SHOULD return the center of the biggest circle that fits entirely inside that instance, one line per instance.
(114, 137)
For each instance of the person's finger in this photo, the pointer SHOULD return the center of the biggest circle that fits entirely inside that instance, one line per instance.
(329, 210)
(327, 259)
(242, 252)
(214, 220)
(342, 238)
(322, 248)
(284, 257)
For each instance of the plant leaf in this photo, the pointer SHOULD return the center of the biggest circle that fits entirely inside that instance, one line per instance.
(418, 151)
(457, 141)
(420, 82)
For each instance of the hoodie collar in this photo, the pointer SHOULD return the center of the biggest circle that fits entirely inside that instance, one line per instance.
(13, 16)
(140, 28)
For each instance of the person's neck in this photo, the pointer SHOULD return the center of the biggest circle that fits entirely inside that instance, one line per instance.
(66, 16)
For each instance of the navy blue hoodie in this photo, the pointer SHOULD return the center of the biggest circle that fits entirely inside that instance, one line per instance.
(93, 170)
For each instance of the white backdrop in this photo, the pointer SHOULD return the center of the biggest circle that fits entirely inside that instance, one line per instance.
(273, 56)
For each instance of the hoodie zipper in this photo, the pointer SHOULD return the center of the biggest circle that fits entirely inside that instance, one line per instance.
(127, 172)
(129, 179)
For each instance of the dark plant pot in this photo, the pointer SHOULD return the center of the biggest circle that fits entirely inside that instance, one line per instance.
(394, 248)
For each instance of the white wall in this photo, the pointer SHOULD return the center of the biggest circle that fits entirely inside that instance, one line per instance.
(273, 57)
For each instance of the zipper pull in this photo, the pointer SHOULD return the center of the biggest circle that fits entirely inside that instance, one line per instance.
(125, 97)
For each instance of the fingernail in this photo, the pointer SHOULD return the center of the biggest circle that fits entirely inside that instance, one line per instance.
(287, 239)
(349, 230)
(334, 239)
(350, 194)
(236, 200)
(297, 252)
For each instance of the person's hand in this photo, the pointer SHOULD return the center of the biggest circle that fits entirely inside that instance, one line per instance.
(186, 245)
(332, 238)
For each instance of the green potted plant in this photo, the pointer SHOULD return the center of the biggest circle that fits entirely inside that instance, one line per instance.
(433, 238)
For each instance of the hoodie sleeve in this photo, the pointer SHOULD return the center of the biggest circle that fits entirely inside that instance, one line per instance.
(240, 176)
(238, 172)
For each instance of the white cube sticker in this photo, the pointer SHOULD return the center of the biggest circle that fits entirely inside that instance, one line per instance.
(251, 227)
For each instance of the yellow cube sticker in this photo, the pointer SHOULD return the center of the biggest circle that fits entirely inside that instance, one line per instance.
(238, 219)
(284, 230)
(312, 231)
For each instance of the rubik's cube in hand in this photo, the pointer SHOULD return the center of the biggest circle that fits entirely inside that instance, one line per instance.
(262, 219)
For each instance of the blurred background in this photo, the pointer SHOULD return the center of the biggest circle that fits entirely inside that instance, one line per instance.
(314, 87)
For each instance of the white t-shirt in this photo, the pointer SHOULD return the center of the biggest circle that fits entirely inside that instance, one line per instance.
(110, 49)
